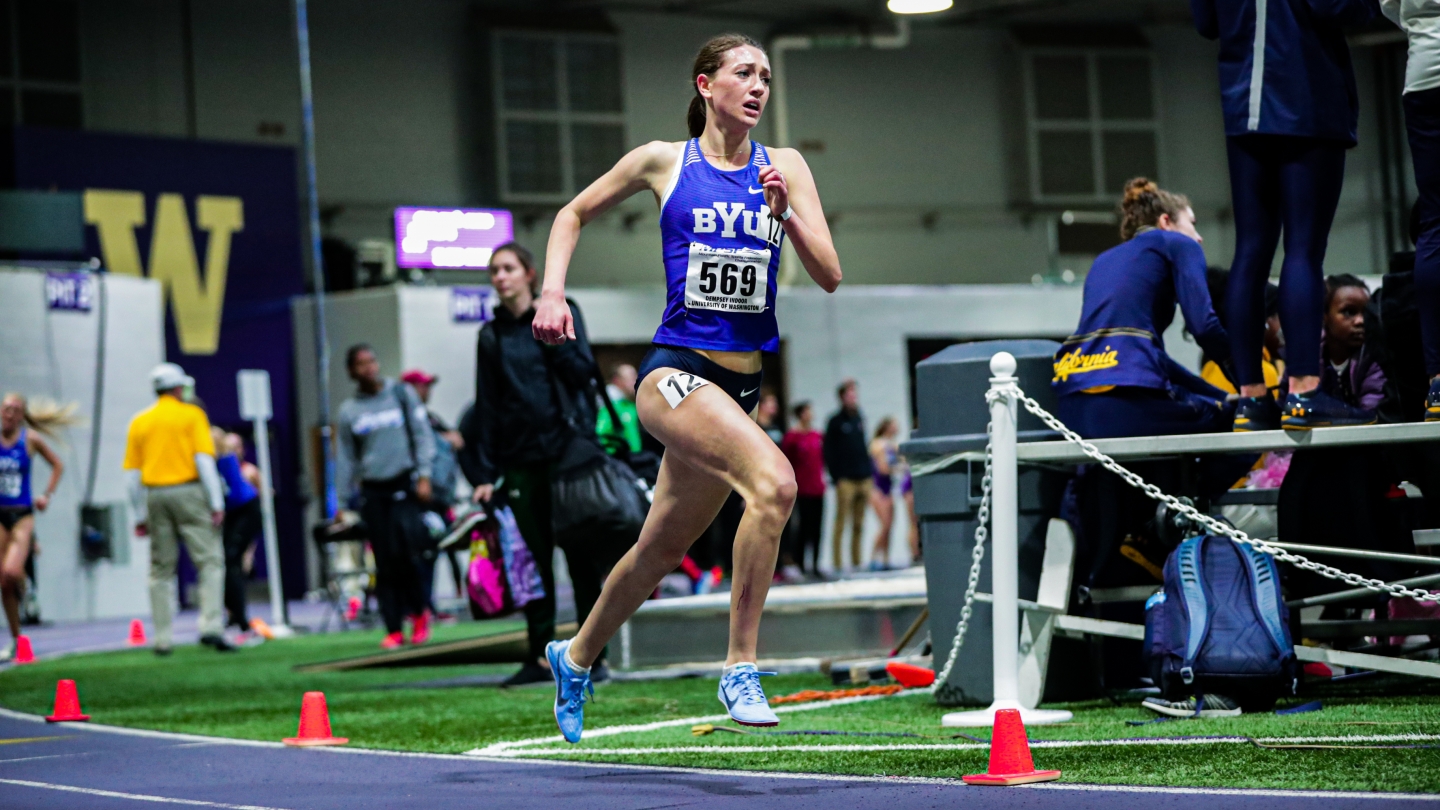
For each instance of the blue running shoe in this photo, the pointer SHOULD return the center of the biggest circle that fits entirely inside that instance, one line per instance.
(1318, 409)
(1432, 402)
(1256, 413)
(571, 688)
(744, 699)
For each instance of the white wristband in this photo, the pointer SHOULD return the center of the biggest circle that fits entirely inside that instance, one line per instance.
(789, 212)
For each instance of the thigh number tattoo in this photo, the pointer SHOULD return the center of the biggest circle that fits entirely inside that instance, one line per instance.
(679, 385)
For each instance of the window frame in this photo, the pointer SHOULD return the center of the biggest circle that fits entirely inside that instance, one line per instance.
(15, 85)
(562, 116)
(1095, 125)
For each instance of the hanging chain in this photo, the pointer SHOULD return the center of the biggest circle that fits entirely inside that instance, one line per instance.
(1211, 524)
(982, 533)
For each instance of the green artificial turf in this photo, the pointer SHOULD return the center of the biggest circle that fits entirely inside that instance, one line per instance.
(255, 694)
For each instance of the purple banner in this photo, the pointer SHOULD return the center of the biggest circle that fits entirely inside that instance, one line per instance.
(450, 238)
(472, 304)
(71, 292)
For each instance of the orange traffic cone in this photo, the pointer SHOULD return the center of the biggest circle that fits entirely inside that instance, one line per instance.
(909, 675)
(23, 653)
(315, 723)
(67, 704)
(1010, 762)
(137, 633)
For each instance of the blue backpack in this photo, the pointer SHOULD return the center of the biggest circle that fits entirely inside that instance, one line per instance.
(1220, 625)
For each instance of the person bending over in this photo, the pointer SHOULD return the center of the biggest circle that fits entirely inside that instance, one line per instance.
(727, 204)
(1113, 376)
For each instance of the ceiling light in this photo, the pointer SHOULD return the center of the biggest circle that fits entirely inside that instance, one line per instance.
(919, 6)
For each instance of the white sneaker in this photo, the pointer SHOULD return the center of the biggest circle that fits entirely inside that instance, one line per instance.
(1210, 705)
(744, 699)
(792, 574)
(7, 652)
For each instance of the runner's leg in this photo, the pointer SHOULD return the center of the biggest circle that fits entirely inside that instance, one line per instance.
(711, 447)
(14, 548)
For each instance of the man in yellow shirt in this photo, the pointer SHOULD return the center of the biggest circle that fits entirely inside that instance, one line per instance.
(175, 491)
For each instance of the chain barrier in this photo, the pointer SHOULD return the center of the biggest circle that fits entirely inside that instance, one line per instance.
(977, 556)
(1211, 524)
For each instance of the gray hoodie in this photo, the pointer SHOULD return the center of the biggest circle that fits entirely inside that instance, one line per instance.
(372, 428)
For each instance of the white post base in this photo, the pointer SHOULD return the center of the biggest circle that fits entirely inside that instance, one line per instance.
(282, 631)
(980, 718)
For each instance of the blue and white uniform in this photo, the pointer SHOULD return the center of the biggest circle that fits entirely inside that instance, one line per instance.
(15, 499)
(722, 254)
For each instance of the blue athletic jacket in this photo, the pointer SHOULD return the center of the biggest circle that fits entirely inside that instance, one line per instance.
(1292, 75)
(1130, 297)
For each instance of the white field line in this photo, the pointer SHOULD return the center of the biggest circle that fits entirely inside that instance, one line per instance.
(115, 794)
(500, 749)
(872, 747)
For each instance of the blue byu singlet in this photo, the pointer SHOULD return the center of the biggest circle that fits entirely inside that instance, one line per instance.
(722, 251)
(15, 474)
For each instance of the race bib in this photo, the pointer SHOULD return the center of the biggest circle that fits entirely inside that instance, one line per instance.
(733, 280)
(10, 484)
(679, 385)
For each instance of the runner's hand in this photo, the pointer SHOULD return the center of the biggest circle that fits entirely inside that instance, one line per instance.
(777, 194)
(553, 323)
(42, 502)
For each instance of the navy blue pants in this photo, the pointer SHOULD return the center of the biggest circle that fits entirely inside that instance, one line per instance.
(1422, 119)
(1126, 412)
(1289, 184)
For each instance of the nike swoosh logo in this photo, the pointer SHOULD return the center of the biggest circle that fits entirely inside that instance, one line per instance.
(755, 190)
(748, 393)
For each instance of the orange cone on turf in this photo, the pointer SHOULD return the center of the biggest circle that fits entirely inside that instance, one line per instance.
(909, 675)
(23, 653)
(67, 704)
(314, 723)
(1010, 762)
(137, 633)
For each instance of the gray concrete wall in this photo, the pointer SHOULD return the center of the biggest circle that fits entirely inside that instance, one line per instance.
(402, 115)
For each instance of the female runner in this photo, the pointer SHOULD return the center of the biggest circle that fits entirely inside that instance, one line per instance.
(18, 443)
(726, 205)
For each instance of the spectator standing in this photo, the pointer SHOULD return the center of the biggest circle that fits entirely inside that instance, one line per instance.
(444, 475)
(847, 458)
(621, 390)
(386, 459)
(1421, 100)
(177, 497)
(518, 432)
(884, 457)
(242, 520)
(803, 446)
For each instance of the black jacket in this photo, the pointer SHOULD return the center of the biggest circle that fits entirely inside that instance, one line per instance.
(847, 455)
(517, 418)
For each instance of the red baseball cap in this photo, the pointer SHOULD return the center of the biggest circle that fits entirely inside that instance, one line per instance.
(417, 377)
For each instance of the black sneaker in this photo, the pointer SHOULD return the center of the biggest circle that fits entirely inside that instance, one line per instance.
(218, 644)
(1319, 409)
(530, 672)
(163, 652)
(1432, 402)
(1205, 706)
(599, 673)
(1257, 413)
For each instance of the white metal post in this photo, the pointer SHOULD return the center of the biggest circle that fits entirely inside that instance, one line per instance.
(255, 405)
(1004, 559)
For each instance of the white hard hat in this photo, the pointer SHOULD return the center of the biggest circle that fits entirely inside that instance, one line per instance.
(168, 375)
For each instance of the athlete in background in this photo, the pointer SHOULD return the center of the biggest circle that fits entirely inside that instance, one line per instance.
(20, 426)
(726, 205)
(1288, 94)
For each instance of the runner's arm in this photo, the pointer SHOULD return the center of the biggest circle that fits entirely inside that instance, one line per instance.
(643, 168)
(789, 184)
(57, 469)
